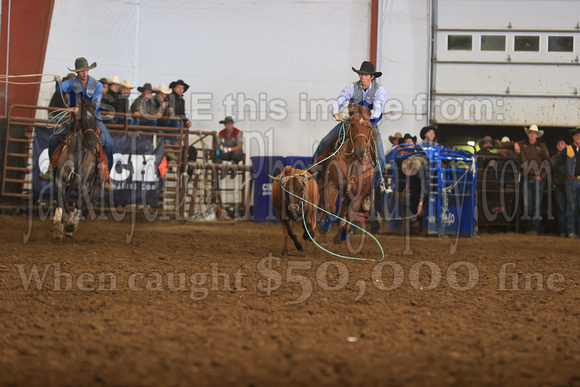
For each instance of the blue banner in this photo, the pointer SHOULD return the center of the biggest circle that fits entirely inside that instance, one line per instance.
(134, 174)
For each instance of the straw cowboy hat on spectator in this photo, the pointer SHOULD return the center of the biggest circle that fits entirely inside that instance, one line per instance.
(114, 80)
(127, 84)
(411, 166)
(162, 88)
(81, 64)
(534, 128)
(397, 135)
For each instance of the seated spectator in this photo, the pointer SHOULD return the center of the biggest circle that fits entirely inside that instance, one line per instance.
(177, 103)
(122, 103)
(429, 135)
(111, 96)
(143, 108)
(107, 110)
(231, 142)
(59, 99)
(559, 186)
(162, 105)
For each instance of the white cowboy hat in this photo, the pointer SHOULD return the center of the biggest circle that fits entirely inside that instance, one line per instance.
(534, 128)
(114, 80)
(127, 84)
(505, 139)
(162, 88)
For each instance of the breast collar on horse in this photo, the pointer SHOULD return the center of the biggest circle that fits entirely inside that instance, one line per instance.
(352, 180)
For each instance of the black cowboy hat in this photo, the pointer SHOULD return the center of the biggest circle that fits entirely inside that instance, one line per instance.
(81, 64)
(562, 138)
(367, 68)
(146, 86)
(425, 129)
(227, 119)
(575, 131)
(484, 140)
(406, 136)
(104, 81)
(179, 82)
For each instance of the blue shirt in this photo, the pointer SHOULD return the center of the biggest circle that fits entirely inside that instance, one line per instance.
(93, 91)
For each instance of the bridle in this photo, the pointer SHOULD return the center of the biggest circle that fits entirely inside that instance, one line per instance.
(366, 136)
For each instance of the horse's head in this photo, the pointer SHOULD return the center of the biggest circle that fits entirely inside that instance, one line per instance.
(86, 123)
(362, 133)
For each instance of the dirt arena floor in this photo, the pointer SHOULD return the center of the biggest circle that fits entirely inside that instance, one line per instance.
(215, 304)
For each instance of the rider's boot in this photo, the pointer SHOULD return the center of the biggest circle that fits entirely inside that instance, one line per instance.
(46, 176)
(106, 184)
(49, 174)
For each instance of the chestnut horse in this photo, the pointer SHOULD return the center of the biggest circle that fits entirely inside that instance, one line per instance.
(349, 172)
(77, 169)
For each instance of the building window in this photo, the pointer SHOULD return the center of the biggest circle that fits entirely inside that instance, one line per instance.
(527, 43)
(492, 42)
(561, 43)
(459, 42)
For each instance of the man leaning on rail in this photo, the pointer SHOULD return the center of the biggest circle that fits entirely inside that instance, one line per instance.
(80, 87)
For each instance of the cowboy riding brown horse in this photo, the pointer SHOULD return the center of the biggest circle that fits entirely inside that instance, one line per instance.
(349, 172)
(77, 169)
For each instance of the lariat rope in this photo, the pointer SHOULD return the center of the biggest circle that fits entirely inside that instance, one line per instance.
(3, 79)
(343, 132)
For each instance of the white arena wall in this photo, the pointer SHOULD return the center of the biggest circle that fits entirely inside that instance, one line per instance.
(267, 63)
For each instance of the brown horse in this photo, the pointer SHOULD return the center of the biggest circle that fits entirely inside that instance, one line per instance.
(77, 169)
(348, 173)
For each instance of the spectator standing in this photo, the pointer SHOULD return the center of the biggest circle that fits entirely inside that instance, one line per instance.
(429, 135)
(177, 103)
(569, 158)
(535, 166)
(559, 186)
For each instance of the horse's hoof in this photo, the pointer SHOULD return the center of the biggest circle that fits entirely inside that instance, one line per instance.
(299, 246)
(69, 235)
(308, 237)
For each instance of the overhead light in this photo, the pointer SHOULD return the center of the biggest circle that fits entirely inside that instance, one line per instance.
(471, 143)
